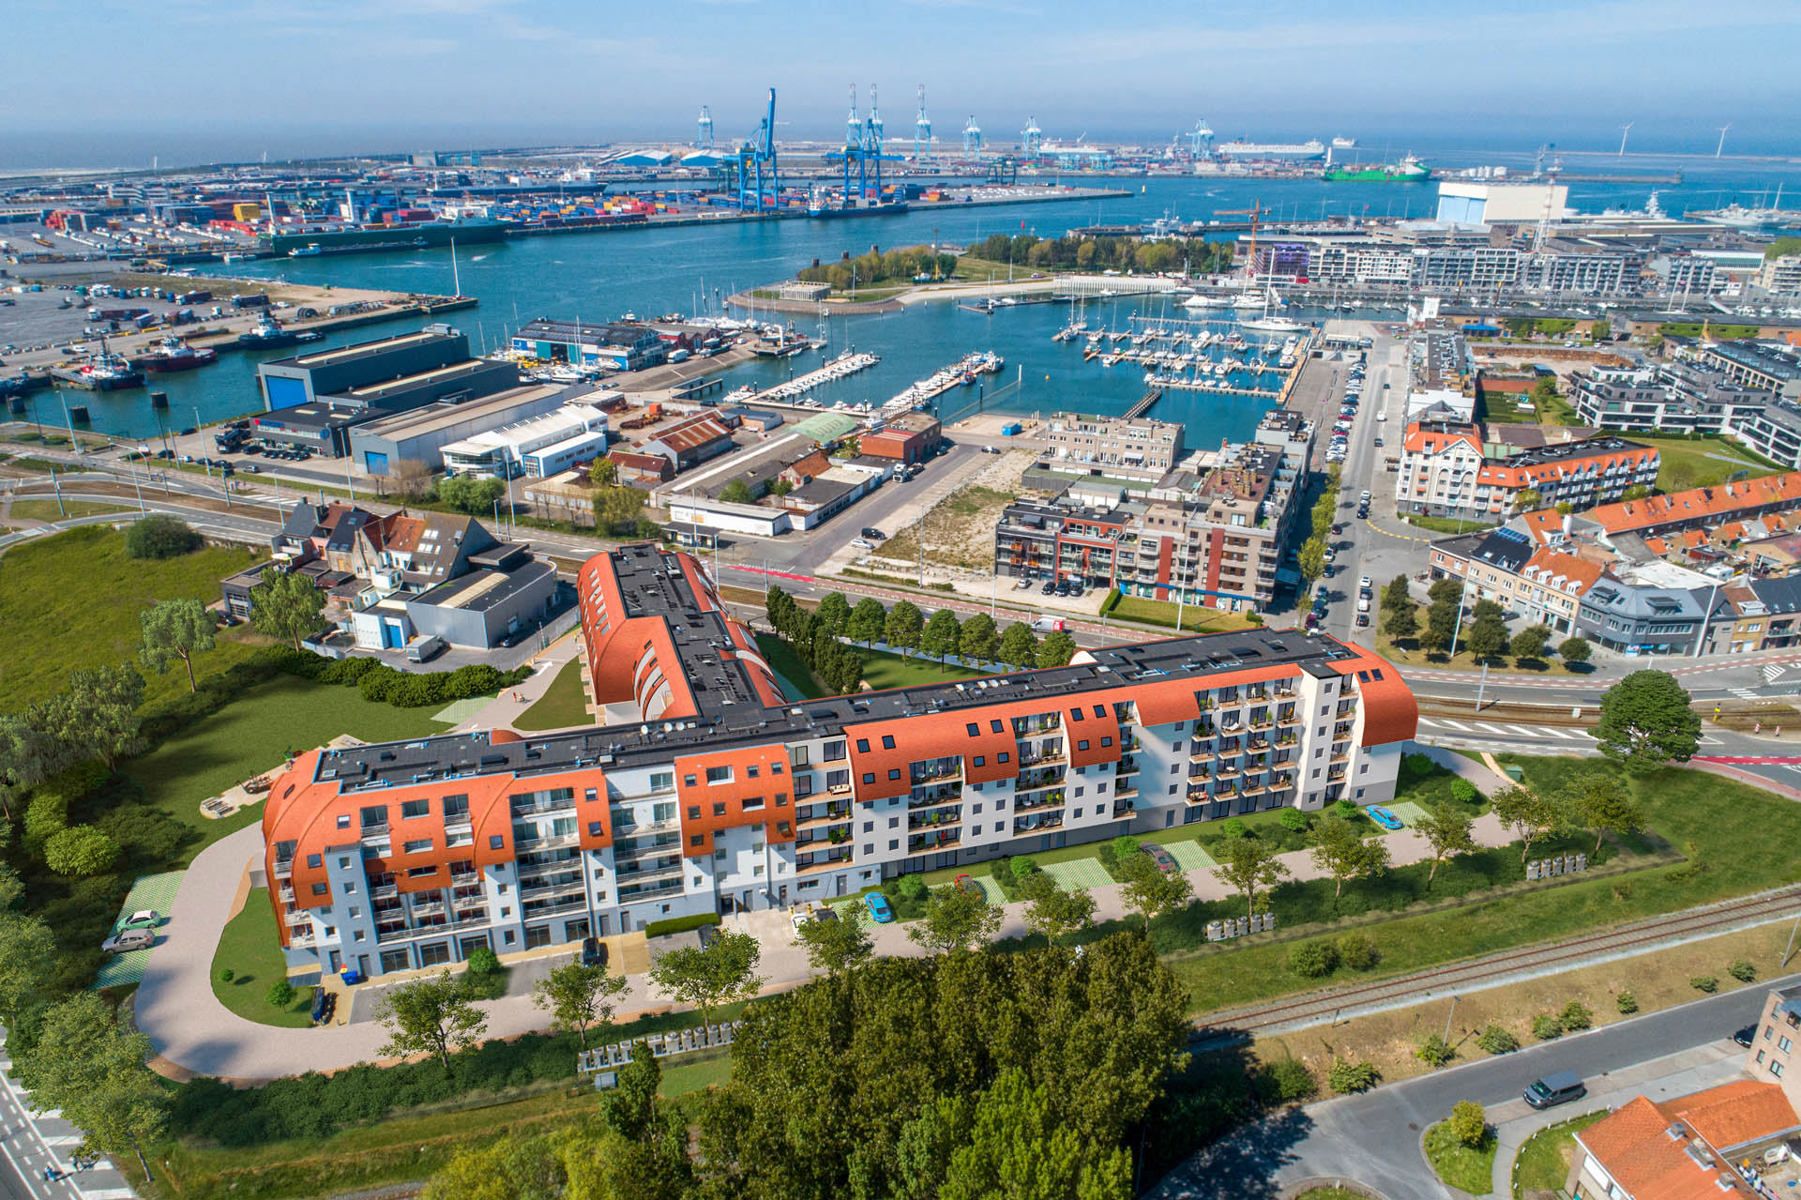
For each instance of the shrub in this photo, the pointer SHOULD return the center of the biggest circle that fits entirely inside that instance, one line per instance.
(680, 924)
(1705, 983)
(1742, 970)
(160, 536)
(227, 975)
(1496, 1040)
(1464, 792)
(80, 850)
(1293, 820)
(482, 961)
(1346, 809)
(1627, 1003)
(281, 993)
(1312, 960)
(1575, 1017)
(911, 887)
(1346, 1077)
(1434, 1051)
(1546, 1027)
(1232, 827)
(1289, 1081)
(1358, 951)
(1468, 1123)
(46, 816)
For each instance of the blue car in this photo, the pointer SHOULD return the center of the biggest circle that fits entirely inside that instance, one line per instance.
(880, 911)
(1383, 817)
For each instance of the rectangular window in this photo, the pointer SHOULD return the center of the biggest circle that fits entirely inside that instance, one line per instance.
(455, 807)
(420, 872)
(689, 781)
(719, 774)
(315, 861)
(420, 846)
(751, 772)
(994, 726)
(694, 812)
(887, 741)
(415, 808)
(375, 817)
(719, 810)
(973, 729)
(751, 802)
(833, 751)
(862, 745)
(798, 756)
(697, 839)
(662, 781)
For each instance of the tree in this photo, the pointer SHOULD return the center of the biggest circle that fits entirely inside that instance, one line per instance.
(836, 947)
(27, 755)
(1019, 646)
(833, 613)
(1488, 630)
(941, 633)
(1018, 1146)
(904, 626)
(1056, 913)
(737, 492)
(80, 850)
(160, 536)
(432, 1015)
(1529, 643)
(1312, 559)
(94, 1070)
(466, 494)
(603, 472)
(1448, 833)
(287, 605)
(722, 971)
(175, 629)
(26, 947)
(1056, 650)
(1605, 804)
(1528, 814)
(578, 996)
(1646, 721)
(97, 710)
(1601, 331)
(1441, 624)
(411, 479)
(1574, 650)
(1396, 594)
(1341, 851)
(955, 919)
(1248, 867)
(868, 620)
(618, 509)
(630, 1107)
(1401, 623)
(978, 641)
(1637, 491)
(1468, 1123)
(1149, 890)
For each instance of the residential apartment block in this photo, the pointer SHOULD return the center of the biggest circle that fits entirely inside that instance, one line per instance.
(1774, 431)
(1134, 448)
(1766, 366)
(1707, 1145)
(703, 789)
(1446, 470)
(1677, 397)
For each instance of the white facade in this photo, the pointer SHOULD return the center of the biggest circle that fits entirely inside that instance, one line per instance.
(534, 448)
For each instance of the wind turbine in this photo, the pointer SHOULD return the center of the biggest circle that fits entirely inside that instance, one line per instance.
(1625, 132)
(1720, 149)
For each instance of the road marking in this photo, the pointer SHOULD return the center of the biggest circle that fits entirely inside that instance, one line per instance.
(1529, 732)
(1458, 725)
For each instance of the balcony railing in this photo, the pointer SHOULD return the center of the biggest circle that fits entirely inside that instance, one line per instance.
(931, 843)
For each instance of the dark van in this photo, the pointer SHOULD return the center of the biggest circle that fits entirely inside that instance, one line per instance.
(1552, 1090)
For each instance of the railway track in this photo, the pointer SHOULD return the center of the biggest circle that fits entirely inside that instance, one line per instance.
(1321, 1007)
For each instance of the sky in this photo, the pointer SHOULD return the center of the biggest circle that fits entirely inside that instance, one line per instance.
(120, 81)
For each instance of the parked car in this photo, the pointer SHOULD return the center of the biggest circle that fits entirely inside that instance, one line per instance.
(880, 911)
(144, 918)
(1560, 1087)
(1364, 583)
(1164, 860)
(967, 884)
(1363, 620)
(873, 534)
(862, 543)
(1049, 587)
(1744, 1036)
(594, 952)
(1383, 817)
(129, 939)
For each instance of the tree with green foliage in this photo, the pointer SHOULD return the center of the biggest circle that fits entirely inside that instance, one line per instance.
(833, 614)
(1056, 650)
(630, 1107)
(1646, 721)
(26, 947)
(1019, 646)
(603, 472)
(1603, 803)
(472, 496)
(979, 641)
(1402, 623)
(955, 919)
(27, 756)
(176, 629)
(1448, 832)
(1529, 814)
(941, 634)
(1250, 867)
(1601, 331)
(737, 491)
(1347, 1077)
(619, 509)
(96, 711)
(1057, 913)
(868, 621)
(835, 946)
(1529, 643)
(1017, 1146)
(722, 971)
(1574, 650)
(160, 536)
(92, 1068)
(1468, 1123)
(578, 997)
(904, 626)
(80, 851)
(1312, 559)
(1342, 852)
(1149, 890)
(287, 606)
(432, 1015)
(1487, 636)
(1396, 594)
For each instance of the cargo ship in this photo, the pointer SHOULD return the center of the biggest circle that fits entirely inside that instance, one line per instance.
(104, 372)
(1408, 170)
(1311, 148)
(368, 239)
(173, 354)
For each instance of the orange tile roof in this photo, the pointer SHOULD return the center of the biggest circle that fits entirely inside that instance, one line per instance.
(1633, 1144)
(1436, 441)
(1543, 525)
(1698, 504)
(1735, 1113)
(1546, 565)
(1564, 468)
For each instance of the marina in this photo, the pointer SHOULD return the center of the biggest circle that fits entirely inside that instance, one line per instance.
(847, 363)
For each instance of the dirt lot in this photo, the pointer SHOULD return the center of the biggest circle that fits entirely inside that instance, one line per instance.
(959, 529)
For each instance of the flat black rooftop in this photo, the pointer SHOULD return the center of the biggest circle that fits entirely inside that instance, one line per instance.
(731, 713)
(1566, 451)
(362, 350)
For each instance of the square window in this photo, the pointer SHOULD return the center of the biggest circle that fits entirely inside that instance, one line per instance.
(893, 774)
(973, 729)
(343, 820)
(697, 839)
(694, 812)
(315, 861)
(862, 745)
(752, 771)
(1003, 757)
(719, 810)
(894, 822)
(497, 841)
(869, 777)
(994, 726)
(887, 741)
(979, 760)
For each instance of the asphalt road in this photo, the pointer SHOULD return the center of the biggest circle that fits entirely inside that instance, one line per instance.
(1374, 1138)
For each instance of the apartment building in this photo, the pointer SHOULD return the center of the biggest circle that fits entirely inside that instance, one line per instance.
(1679, 397)
(1683, 274)
(1766, 366)
(702, 789)
(1120, 447)
(1774, 431)
(1541, 584)
(1707, 1145)
(1466, 268)
(1781, 276)
(1772, 1057)
(1445, 471)
(1578, 271)
(1360, 262)
(1061, 539)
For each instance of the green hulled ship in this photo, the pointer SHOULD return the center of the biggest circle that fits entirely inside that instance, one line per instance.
(1408, 170)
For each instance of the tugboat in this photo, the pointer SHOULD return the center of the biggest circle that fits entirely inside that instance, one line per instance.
(173, 354)
(104, 372)
(269, 334)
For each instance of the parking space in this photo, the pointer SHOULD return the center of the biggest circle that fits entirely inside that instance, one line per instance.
(1080, 873)
(150, 891)
(1409, 812)
(1190, 856)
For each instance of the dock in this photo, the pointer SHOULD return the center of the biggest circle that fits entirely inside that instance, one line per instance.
(842, 367)
(961, 373)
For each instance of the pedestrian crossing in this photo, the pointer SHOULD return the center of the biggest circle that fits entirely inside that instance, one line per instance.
(1772, 670)
(1498, 731)
(1747, 693)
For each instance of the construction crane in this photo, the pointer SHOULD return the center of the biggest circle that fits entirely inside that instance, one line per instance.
(759, 185)
(1256, 212)
(703, 129)
(1033, 138)
(972, 138)
(874, 125)
(922, 128)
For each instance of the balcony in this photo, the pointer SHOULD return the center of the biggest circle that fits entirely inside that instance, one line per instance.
(549, 841)
(927, 797)
(385, 890)
(284, 868)
(943, 818)
(1037, 824)
(654, 871)
(532, 908)
(561, 887)
(639, 891)
(1052, 799)
(539, 807)
(820, 815)
(1057, 755)
(824, 862)
(623, 830)
(933, 843)
(1028, 781)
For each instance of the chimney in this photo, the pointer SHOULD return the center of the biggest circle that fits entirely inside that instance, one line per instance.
(1569, 521)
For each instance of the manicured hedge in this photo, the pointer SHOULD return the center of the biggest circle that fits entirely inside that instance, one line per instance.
(680, 924)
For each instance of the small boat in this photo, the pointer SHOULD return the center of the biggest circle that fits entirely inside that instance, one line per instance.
(269, 334)
(310, 250)
(104, 372)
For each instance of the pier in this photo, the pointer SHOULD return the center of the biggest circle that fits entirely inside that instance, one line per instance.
(961, 373)
(842, 367)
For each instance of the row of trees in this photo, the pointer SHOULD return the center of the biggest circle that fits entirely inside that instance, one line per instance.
(1312, 556)
(880, 266)
(814, 637)
(1196, 255)
(1481, 628)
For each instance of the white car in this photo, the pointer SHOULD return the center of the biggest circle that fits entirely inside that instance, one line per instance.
(1363, 582)
(862, 543)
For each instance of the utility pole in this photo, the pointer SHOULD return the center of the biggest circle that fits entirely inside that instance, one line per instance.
(1462, 595)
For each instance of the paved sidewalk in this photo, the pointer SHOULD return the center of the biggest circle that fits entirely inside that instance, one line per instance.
(502, 710)
(33, 1141)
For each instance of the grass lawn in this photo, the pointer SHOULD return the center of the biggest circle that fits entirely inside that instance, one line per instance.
(1331, 1193)
(693, 1072)
(1708, 820)
(1544, 1161)
(73, 600)
(1460, 1166)
(882, 669)
(30, 509)
(1502, 408)
(1196, 618)
(1701, 462)
(563, 704)
(249, 949)
(1447, 524)
(253, 734)
(796, 677)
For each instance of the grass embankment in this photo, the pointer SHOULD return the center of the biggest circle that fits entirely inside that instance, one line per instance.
(1195, 618)
(1718, 332)
(1686, 463)
(563, 703)
(883, 669)
(249, 950)
(1706, 819)
(32, 509)
(74, 599)
(1544, 1161)
(1466, 1168)
(796, 677)
(1450, 525)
